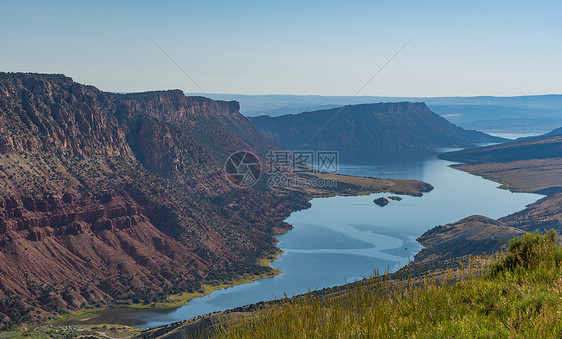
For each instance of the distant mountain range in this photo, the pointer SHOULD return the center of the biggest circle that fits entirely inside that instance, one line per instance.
(534, 113)
(379, 127)
(557, 131)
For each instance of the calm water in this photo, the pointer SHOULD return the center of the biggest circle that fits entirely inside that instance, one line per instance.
(319, 252)
(514, 135)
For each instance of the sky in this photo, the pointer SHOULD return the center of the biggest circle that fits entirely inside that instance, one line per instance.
(455, 48)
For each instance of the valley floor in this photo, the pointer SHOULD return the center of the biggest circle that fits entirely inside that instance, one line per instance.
(346, 185)
(535, 175)
(524, 302)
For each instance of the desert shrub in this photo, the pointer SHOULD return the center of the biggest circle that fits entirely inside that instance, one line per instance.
(529, 251)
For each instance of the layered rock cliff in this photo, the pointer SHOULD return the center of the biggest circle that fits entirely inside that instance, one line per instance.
(216, 125)
(107, 197)
(51, 112)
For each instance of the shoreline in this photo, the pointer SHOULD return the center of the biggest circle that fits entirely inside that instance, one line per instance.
(87, 316)
(513, 186)
(352, 186)
(336, 289)
(502, 184)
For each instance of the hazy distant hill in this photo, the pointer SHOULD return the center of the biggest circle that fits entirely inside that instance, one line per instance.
(381, 127)
(534, 113)
(557, 131)
(543, 147)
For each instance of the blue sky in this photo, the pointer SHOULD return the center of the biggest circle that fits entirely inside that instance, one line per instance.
(291, 47)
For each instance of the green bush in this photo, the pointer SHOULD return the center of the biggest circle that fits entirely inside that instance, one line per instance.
(529, 251)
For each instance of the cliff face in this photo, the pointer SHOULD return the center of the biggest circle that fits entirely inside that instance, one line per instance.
(217, 125)
(174, 106)
(108, 197)
(382, 127)
(46, 113)
(89, 251)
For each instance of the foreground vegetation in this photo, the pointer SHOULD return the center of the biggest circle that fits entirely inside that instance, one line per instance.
(518, 293)
(90, 316)
(66, 332)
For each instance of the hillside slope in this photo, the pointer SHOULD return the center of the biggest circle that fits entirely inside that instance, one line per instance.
(557, 131)
(526, 165)
(101, 200)
(123, 199)
(217, 125)
(523, 114)
(543, 147)
(380, 127)
(514, 294)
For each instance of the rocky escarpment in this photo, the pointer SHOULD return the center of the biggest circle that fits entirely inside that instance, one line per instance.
(217, 125)
(53, 241)
(377, 127)
(174, 106)
(170, 152)
(105, 197)
(48, 112)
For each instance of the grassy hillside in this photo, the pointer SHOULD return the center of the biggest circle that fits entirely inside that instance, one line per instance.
(514, 294)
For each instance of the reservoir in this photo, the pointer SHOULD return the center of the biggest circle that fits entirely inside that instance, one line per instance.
(342, 239)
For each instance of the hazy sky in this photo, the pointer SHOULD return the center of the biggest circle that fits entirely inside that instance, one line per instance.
(291, 47)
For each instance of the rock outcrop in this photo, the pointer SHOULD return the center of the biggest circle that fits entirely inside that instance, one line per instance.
(107, 197)
(217, 125)
(382, 201)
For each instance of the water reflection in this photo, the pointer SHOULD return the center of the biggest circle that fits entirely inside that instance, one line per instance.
(319, 252)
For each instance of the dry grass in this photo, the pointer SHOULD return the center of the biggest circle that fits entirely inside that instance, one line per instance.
(525, 175)
(518, 295)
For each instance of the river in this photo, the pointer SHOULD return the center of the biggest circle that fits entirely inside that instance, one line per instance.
(341, 239)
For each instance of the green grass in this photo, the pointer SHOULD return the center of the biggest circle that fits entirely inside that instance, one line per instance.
(86, 331)
(516, 294)
(74, 316)
(183, 299)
